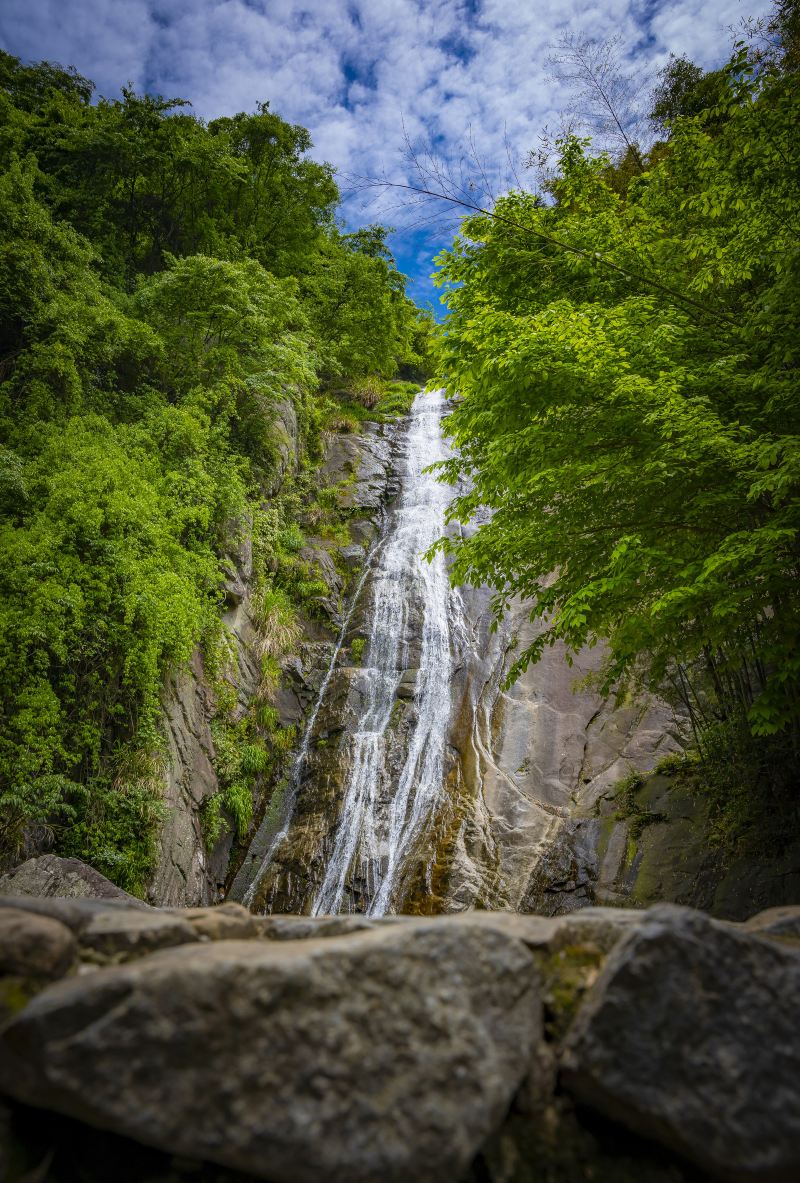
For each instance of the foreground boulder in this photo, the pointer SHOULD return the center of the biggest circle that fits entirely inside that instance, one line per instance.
(691, 1036)
(386, 1055)
(34, 946)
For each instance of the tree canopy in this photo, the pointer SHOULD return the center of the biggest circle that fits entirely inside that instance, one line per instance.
(166, 286)
(625, 358)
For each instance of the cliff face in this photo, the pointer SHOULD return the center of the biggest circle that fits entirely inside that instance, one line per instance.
(523, 767)
(528, 764)
(360, 465)
(529, 818)
(365, 467)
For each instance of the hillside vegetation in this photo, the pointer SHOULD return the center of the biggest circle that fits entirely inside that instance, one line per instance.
(166, 285)
(625, 344)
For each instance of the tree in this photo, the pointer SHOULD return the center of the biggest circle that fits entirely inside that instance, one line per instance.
(684, 89)
(606, 95)
(166, 288)
(636, 438)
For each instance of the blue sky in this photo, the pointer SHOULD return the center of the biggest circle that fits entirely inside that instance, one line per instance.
(469, 76)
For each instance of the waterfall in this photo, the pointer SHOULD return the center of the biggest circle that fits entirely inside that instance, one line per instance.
(394, 754)
(408, 596)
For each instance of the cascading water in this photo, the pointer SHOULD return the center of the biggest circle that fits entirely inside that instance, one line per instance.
(393, 755)
(371, 841)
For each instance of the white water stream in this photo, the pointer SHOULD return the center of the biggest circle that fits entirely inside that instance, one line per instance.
(372, 841)
(387, 804)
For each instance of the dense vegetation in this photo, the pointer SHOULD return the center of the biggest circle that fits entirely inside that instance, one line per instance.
(168, 287)
(625, 347)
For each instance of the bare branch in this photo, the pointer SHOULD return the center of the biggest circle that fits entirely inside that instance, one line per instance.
(606, 97)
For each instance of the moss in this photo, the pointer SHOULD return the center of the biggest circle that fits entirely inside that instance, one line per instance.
(631, 849)
(604, 837)
(560, 1146)
(427, 891)
(276, 801)
(630, 808)
(567, 975)
(357, 649)
(16, 993)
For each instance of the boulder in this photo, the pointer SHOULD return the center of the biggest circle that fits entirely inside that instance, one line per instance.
(780, 923)
(378, 1057)
(34, 946)
(602, 927)
(691, 1036)
(50, 875)
(124, 933)
(75, 913)
(225, 922)
(283, 927)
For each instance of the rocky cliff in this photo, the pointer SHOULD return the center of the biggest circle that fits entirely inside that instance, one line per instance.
(522, 768)
(358, 468)
(530, 816)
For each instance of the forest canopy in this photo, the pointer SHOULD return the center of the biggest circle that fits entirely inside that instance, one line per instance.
(624, 344)
(167, 288)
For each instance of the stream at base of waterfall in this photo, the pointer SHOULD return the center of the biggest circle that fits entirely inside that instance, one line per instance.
(393, 775)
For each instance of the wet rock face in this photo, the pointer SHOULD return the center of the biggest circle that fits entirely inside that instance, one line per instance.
(365, 467)
(533, 760)
(690, 1036)
(521, 768)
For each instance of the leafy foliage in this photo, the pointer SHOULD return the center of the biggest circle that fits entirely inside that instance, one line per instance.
(626, 361)
(172, 295)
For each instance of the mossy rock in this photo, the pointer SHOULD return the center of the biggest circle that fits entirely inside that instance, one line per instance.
(566, 976)
(16, 993)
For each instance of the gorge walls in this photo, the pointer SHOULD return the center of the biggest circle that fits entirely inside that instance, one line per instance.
(423, 785)
(420, 782)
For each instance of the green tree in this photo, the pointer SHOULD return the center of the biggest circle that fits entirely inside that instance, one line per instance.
(627, 376)
(170, 293)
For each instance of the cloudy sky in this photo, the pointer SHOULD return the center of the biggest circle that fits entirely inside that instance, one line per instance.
(362, 74)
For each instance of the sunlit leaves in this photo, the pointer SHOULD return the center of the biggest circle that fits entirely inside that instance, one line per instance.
(639, 452)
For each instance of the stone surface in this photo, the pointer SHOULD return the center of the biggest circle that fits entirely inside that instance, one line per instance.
(602, 926)
(533, 760)
(691, 1036)
(363, 461)
(50, 875)
(75, 913)
(122, 933)
(183, 875)
(32, 945)
(783, 923)
(226, 922)
(380, 1057)
(284, 927)
(672, 856)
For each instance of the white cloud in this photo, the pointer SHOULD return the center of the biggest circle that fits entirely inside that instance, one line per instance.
(353, 71)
